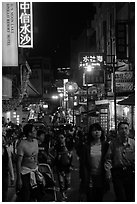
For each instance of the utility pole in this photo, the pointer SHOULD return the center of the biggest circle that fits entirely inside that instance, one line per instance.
(87, 101)
(114, 94)
(73, 109)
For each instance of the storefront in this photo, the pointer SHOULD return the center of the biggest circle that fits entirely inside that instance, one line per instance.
(125, 111)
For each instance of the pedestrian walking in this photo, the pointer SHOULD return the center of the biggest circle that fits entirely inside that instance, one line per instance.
(27, 165)
(7, 169)
(43, 147)
(120, 164)
(93, 176)
(63, 165)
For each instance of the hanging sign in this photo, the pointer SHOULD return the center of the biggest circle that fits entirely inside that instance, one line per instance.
(9, 34)
(25, 27)
(93, 59)
(121, 40)
(124, 81)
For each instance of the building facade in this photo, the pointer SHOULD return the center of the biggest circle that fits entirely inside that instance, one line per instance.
(113, 31)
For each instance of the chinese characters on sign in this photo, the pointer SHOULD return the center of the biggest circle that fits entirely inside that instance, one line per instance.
(124, 81)
(95, 59)
(25, 32)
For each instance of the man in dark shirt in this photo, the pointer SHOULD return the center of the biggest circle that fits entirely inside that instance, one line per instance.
(120, 164)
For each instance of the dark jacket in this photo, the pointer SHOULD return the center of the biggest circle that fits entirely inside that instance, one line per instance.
(86, 166)
(63, 158)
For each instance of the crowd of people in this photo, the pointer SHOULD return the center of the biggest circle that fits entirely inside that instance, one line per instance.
(101, 160)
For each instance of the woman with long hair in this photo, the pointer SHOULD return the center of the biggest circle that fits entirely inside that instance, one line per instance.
(93, 182)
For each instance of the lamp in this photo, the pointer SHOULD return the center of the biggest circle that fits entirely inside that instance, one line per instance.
(55, 97)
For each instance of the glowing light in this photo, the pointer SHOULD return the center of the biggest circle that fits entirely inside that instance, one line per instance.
(89, 68)
(61, 95)
(70, 87)
(126, 110)
(45, 106)
(55, 97)
(14, 114)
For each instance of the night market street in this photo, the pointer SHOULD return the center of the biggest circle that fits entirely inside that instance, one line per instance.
(73, 194)
(68, 101)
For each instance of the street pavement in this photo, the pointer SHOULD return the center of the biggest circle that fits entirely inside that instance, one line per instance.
(73, 193)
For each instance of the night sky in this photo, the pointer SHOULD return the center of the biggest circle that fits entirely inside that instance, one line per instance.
(55, 24)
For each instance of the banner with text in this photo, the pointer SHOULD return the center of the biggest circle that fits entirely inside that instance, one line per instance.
(9, 34)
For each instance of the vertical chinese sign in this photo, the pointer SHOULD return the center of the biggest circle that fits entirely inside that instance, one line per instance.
(25, 26)
(9, 34)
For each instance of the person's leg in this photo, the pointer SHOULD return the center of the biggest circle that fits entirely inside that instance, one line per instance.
(4, 188)
(95, 194)
(61, 180)
(25, 193)
(67, 180)
(61, 177)
(129, 186)
(90, 194)
(98, 194)
(119, 190)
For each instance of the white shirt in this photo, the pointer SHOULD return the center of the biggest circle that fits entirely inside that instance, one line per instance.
(95, 155)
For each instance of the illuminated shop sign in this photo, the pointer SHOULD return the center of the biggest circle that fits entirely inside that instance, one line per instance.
(92, 59)
(25, 28)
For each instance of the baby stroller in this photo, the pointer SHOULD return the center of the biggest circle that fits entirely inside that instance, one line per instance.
(49, 190)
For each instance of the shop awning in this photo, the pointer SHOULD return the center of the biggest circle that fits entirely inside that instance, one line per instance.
(129, 101)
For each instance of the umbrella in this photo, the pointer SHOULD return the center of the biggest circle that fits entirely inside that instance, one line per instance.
(130, 100)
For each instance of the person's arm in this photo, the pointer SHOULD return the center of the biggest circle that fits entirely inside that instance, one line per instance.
(19, 162)
(108, 162)
(10, 165)
(84, 174)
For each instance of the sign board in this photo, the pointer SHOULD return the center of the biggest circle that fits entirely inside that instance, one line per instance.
(63, 72)
(124, 81)
(25, 26)
(9, 34)
(121, 40)
(124, 87)
(96, 77)
(94, 59)
(124, 76)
